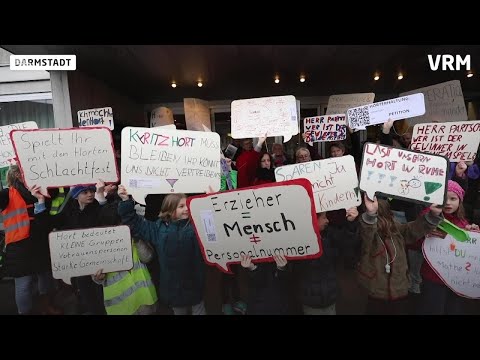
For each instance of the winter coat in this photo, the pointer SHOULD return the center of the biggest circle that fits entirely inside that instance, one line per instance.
(182, 269)
(377, 253)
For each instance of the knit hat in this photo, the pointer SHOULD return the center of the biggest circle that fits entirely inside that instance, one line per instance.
(455, 188)
(78, 189)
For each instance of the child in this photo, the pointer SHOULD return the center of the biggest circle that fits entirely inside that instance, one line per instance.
(182, 272)
(383, 263)
(318, 278)
(267, 286)
(128, 292)
(436, 298)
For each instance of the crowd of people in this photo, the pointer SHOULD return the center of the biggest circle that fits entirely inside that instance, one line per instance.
(381, 241)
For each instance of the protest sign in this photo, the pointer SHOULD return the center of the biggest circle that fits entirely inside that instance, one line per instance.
(160, 161)
(443, 102)
(96, 117)
(325, 128)
(260, 221)
(274, 116)
(379, 112)
(334, 181)
(7, 153)
(403, 174)
(339, 104)
(65, 157)
(456, 263)
(85, 251)
(458, 141)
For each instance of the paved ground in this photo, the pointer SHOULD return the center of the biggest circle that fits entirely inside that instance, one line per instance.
(351, 301)
(352, 298)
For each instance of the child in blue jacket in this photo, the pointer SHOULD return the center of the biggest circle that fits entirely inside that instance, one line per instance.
(182, 270)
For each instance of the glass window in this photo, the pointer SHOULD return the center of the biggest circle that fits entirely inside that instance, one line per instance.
(38, 110)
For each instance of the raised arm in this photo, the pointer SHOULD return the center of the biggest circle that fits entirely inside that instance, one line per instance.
(140, 227)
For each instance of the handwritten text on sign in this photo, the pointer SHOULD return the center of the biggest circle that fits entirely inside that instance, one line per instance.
(7, 154)
(339, 104)
(334, 181)
(443, 102)
(275, 116)
(274, 219)
(403, 174)
(379, 112)
(85, 251)
(457, 263)
(161, 161)
(65, 157)
(96, 117)
(457, 141)
(325, 128)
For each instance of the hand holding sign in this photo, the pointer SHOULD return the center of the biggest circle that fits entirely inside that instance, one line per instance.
(371, 205)
(123, 193)
(260, 222)
(436, 209)
(99, 276)
(352, 214)
(473, 227)
(36, 191)
(460, 169)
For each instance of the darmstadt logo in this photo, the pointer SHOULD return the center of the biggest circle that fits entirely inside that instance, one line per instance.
(43, 62)
(449, 61)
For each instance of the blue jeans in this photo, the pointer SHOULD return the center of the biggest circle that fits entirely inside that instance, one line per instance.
(24, 291)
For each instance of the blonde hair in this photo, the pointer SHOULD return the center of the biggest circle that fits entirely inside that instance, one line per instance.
(304, 149)
(12, 175)
(169, 206)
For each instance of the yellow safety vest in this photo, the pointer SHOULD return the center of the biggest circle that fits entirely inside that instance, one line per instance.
(125, 291)
(58, 201)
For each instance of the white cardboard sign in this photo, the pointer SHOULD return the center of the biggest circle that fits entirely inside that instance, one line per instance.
(339, 104)
(443, 102)
(96, 117)
(403, 174)
(85, 251)
(275, 116)
(65, 157)
(161, 161)
(458, 141)
(379, 112)
(260, 221)
(456, 263)
(197, 114)
(162, 116)
(7, 153)
(334, 181)
(325, 128)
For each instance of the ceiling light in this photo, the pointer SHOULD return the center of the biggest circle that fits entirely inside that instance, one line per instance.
(199, 84)
(376, 77)
(400, 76)
(174, 84)
(277, 79)
(302, 78)
(470, 74)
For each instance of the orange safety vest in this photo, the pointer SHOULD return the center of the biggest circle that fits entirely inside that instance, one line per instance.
(16, 220)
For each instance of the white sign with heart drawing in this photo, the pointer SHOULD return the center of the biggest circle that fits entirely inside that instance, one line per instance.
(456, 263)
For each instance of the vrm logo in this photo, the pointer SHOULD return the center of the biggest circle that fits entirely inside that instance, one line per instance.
(447, 61)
